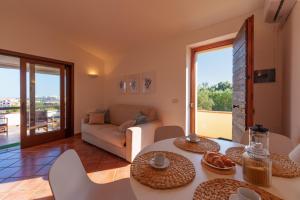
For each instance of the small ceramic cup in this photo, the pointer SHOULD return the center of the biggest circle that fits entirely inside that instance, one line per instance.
(193, 137)
(245, 194)
(159, 159)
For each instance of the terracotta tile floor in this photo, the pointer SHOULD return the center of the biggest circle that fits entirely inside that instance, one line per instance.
(24, 172)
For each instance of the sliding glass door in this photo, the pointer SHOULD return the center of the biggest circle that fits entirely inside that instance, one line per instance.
(43, 102)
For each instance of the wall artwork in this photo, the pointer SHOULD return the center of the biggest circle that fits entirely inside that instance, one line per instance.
(122, 85)
(148, 82)
(133, 83)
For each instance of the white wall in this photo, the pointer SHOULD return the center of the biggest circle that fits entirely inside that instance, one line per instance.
(291, 60)
(169, 60)
(267, 96)
(22, 34)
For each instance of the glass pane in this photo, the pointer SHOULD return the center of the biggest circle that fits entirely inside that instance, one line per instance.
(9, 100)
(43, 99)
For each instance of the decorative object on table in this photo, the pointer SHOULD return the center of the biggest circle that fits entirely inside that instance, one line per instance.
(180, 172)
(256, 161)
(245, 194)
(148, 82)
(218, 163)
(295, 154)
(200, 147)
(133, 83)
(282, 165)
(193, 138)
(122, 85)
(159, 161)
(221, 189)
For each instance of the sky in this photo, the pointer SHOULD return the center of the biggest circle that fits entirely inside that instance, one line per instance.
(214, 66)
(46, 85)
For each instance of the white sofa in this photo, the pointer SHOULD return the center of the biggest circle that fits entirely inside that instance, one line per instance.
(126, 145)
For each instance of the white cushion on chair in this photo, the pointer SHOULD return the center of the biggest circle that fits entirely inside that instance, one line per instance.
(278, 143)
(69, 181)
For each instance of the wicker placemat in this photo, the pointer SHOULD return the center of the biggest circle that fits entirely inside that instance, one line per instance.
(235, 154)
(221, 189)
(282, 166)
(200, 147)
(180, 172)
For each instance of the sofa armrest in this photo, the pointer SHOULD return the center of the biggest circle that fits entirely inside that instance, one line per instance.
(138, 137)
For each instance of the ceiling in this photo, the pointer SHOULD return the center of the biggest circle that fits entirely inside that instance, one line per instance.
(115, 26)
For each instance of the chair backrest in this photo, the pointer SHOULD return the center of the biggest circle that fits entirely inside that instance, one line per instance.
(68, 177)
(41, 116)
(166, 132)
(278, 143)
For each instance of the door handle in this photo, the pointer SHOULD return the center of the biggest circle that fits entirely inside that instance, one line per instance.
(192, 105)
(235, 106)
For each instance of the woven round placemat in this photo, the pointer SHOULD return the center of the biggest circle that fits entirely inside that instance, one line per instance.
(282, 166)
(180, 172)
(200, 147)
(221, 189)
(235, 154)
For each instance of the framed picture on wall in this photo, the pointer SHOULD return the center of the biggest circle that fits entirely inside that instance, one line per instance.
(122, 85)
(133, 83)
(148, 82)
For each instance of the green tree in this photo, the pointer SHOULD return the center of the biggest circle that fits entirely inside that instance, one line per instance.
(217, 97)
(222, 100)
(204, 100)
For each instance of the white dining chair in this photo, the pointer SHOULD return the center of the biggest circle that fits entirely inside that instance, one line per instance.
(69, 181)
(167, 132)
(295, 154)
(278, 143)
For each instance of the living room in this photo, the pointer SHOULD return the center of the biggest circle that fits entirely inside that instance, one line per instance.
(109, 42)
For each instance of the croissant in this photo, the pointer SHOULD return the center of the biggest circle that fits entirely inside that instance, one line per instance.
(218, 159)
(218, 162)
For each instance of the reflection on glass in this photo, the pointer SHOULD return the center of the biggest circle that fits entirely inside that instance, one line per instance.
(43, 99)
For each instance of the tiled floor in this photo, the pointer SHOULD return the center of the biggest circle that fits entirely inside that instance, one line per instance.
(24, 173)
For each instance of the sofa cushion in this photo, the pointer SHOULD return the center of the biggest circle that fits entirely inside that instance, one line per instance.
(96, 118)
(106, 132)
(120, 113)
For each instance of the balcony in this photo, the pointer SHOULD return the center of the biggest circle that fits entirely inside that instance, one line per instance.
(214, 124)
(51, 123)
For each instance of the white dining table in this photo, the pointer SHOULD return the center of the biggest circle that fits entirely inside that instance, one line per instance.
(286, 188)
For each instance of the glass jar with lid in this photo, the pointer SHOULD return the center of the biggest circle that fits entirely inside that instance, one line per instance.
(257, 164)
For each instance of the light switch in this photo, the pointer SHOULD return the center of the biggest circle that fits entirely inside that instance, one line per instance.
(174, 100)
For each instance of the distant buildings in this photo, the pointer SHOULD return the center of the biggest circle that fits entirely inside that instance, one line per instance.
(9, 102)
(15, 102)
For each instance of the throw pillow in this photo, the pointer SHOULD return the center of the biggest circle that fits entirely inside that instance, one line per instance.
(124, 126)
(106, 115)
(96, 118)
(141, 118)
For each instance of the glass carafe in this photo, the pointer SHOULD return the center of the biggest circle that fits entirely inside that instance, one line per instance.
(257, 165)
